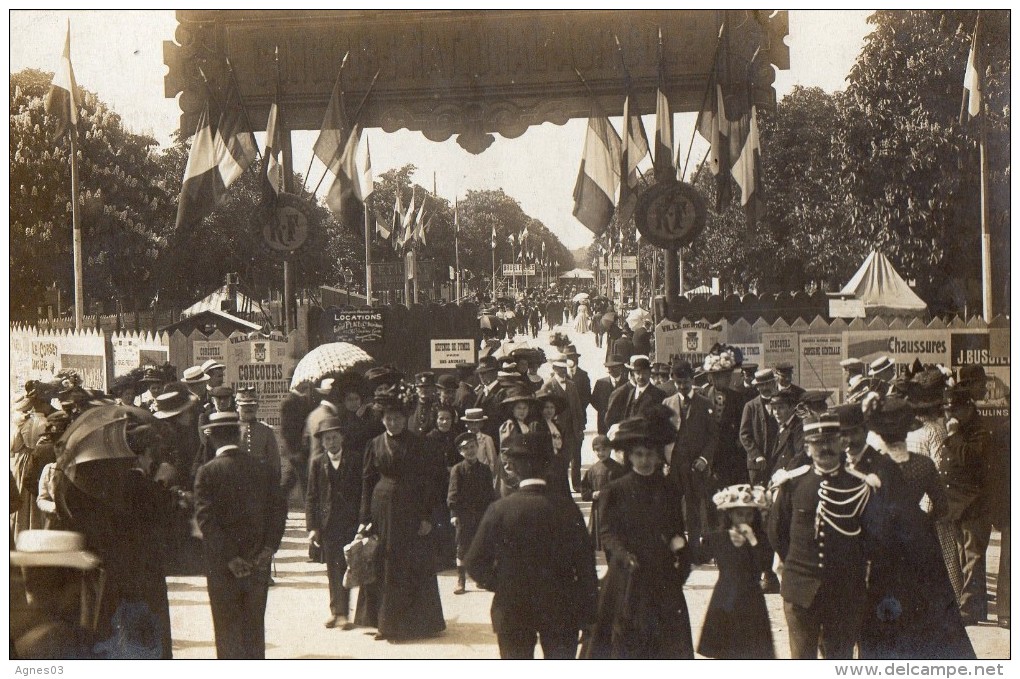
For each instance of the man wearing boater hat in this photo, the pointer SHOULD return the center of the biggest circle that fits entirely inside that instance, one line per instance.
(241, 512)
(533, 550)
(758, 427)
(815, 527)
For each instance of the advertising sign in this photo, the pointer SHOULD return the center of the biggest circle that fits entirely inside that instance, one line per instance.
(904, 346)
(819, 363)
(782, 347)
(753, 353)
(687, 342)
(265, 364)
(974, 348)
(133, 351)
(447, 353)
(203, 351)
(518, 269)
(356, 326)
(91, 368)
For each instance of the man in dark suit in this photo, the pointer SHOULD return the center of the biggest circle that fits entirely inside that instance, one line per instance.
(294, 411)
(466, 385)
(758, 427)
(603, 389)
(815, 526)
(624, 344)
(572, 419)
(241, 512)
(965, 469)
(631, 398)
(693, 451)
(532, 549)
(660, 378)
(332, 509)
(489, 395)
(727, 405)
(788, 450)
(643, 339)
(579, 377)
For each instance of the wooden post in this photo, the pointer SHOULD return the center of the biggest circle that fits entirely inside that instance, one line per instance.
(79, 275)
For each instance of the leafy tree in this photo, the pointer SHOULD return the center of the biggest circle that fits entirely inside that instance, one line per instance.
(123, 213)
(910, 175)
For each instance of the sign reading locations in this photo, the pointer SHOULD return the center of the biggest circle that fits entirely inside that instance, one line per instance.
(356, 326)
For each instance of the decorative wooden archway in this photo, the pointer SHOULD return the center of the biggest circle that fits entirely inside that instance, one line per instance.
(473, 74)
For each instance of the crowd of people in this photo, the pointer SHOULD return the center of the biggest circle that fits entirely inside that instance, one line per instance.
(877, 512)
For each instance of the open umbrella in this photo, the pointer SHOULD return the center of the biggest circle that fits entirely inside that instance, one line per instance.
(637, 318)
(335, 357)
(100, 434)
(579, 297)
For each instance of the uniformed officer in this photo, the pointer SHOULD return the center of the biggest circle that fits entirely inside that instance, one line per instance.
(815, 527)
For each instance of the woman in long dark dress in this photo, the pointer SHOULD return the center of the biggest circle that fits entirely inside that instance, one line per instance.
(398, 499)
(642, 610)
(920, 618)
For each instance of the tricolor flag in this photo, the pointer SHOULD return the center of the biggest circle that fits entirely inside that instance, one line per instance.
(973, 79)
(220, 153)
(61, 102)
(633, 151)
(332, 137)
(396, 220)
(346, 178)
(367, 180)
(746, 170)
(663, 161)
(380, 227)
(424, 227)
(512, 240)
(524, 234)
(274, 168)
(493, 244)
(599, 175)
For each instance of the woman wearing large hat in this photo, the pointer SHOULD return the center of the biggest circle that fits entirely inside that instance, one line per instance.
(550, 405)
(399, 495)
(518, 407)
(916, 614)
(642, 610)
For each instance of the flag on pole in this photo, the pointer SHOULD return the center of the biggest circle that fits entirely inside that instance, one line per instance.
(746, 170)
(599, 175)
(380, 227)
(396, 220)
(513, 241)
(524, 234)
(493, 244)
(663, 161)
(61, 100)
(220, 153)
(346, 178)
(973, 79)
(424, 227)
(367, 180)
(274, 168)
(331, 137)
(456, 217)
(633, 151)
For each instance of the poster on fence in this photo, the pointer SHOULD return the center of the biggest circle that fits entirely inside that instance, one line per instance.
(819, 363)
(687, 341)
(447, 353)
(45, 358)
(91, 368)
(782, 347)
(21, 361)
(202, 351)
(903, 346)
(356, 326)
(752, 353)
(264, 363)
(974, 348)
(135, 351)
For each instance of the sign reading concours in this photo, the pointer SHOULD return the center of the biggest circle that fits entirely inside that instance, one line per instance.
(447, 353)
(264, 363)
(355, 326)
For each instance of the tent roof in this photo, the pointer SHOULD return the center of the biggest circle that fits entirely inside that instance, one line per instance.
(214, 300)
(578, 273)
(882, 289)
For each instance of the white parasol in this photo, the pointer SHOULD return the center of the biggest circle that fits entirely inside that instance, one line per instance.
(335, 357)
(579, 297)
(637, 318)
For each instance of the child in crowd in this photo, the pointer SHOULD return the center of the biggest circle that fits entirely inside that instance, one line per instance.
(469, 495)
(596, 478)
(473, 419)
(737, 621)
